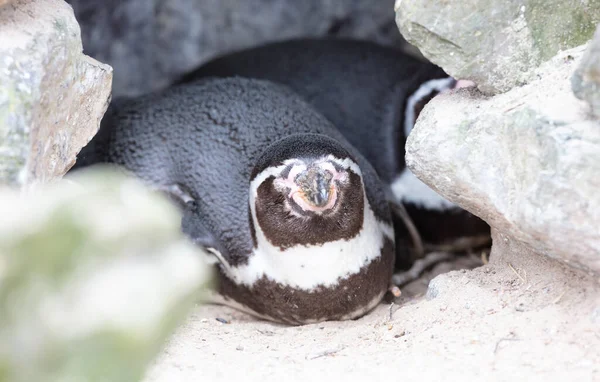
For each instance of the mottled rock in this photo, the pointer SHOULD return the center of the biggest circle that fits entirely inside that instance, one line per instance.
(150, 43)
(52, 97)
(436, 286)
(586, 79)
(526, 161)
(497, 44)
(94, 275)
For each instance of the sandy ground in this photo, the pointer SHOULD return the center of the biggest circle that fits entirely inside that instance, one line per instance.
(520, 317)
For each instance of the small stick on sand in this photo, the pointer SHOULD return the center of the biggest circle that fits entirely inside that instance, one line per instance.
(503, 340)
(514, 107)
(325, 353)
(557, 300)
(420, 266)
(517, 273)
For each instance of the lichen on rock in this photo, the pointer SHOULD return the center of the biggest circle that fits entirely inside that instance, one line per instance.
(496, 44)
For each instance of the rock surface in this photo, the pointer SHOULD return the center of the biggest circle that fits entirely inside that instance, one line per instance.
(586, 79)
(496, 44)
(526, 161)
(150, 43)
(52, 97)
(93, 277)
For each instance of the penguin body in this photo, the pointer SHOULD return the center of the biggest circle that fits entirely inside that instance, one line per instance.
(373, 95)
(294, 217)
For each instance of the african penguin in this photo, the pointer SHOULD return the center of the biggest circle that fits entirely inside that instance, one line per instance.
(373, 95)
(293, 216)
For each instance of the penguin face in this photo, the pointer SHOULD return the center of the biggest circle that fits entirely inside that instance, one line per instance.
(311, 188)
(309, 201)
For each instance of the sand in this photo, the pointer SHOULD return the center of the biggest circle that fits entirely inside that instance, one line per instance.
(520, 317)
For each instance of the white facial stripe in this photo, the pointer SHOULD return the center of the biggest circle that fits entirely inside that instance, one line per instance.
(329, 167)
(261, 177)
(423, 91)
(273, 171)
(297, 169)
(408, 188)
(347, 163)
(339, 176)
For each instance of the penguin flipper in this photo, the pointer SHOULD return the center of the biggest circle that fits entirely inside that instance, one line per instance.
(194, 228)
(192, 224)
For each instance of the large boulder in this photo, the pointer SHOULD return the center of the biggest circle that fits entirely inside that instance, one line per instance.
(150, 43)
(586, 79)
(52, 97)
(526, 161)
(94, 276)
(496, 44)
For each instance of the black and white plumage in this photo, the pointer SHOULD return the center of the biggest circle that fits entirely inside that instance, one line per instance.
(295, 217)
(373, 95)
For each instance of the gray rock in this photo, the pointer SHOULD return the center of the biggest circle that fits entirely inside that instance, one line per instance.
(595, 316)
(436, 286)
(94, 276)
(52, 97)
(497, 44)
(150, 43)
(586, 79)
(526, 161)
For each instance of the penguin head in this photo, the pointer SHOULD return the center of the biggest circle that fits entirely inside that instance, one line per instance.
(306, 190)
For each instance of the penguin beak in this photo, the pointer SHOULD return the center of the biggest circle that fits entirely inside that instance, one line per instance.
(315, 184)
(320, 194)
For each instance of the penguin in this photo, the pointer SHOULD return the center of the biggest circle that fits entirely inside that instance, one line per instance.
(373, 94)
(293, 217)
